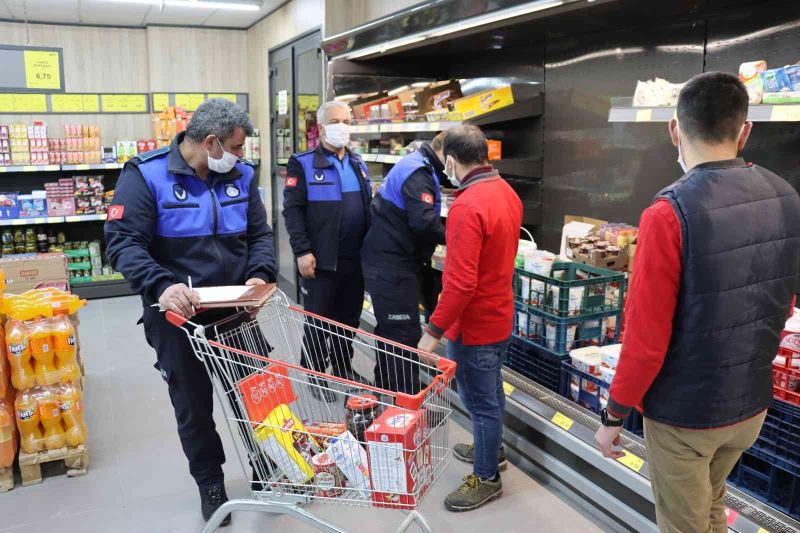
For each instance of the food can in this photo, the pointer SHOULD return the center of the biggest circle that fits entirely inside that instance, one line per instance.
(326, 476)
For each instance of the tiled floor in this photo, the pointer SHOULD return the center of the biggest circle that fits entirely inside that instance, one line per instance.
(138, 480)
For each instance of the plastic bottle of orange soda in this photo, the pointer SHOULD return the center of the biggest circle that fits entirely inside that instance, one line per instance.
(5, 366)
(65, 345)
(50, 417)
(27, 413)
(18, 350)
(42, 350)
(72, 414)
(7, 445)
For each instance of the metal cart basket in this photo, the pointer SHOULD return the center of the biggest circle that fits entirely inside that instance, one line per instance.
(308, 436)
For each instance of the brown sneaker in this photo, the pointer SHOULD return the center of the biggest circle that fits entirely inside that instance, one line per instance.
(473, 493)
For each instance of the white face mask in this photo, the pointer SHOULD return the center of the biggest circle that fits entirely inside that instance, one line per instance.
(450, 171)
(224, 164)
(337, 135)
(681, 162)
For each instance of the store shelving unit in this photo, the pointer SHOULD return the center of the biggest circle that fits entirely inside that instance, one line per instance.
(29, 168)
(102, 289)
(623, 110)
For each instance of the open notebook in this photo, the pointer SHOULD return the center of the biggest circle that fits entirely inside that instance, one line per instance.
(234, 295)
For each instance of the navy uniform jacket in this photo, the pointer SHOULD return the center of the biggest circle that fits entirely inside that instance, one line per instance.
(312, 204)
(406, 214)
(166, 224)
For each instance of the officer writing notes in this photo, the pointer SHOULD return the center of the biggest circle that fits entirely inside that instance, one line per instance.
(325, 204)
(191, 210)
(405, 228)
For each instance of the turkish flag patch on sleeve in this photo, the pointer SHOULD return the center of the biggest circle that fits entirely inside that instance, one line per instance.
(291, 181)
(115, 212)
(427, 198)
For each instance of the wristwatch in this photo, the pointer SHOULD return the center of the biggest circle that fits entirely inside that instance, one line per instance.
(606, 420)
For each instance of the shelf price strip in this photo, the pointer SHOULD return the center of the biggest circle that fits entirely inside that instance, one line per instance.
(631, 461)
(562, 421)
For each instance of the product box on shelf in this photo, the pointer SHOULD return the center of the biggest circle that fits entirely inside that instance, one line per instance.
(9, 205)
(483, 102)
(582, 242)
(399, 457)
(435, 97)
(31, 271)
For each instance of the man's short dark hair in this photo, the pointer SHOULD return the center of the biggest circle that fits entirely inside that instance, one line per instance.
(438, 142)
(712, 107)
(467, 145)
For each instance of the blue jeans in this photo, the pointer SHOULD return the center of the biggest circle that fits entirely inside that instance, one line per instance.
(480, 386)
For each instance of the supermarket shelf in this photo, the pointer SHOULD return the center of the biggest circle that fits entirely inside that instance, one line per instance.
(281, 161)
(516, 111)
(381, 158)
(102, 289)
(31, 221)
(404, 127)
(94, 166)
(622, 110)
(30, 168)
(51, 220)
(524, 168)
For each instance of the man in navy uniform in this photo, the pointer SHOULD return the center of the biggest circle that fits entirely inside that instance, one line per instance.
(191, 210)
(326, 207)
(405, 228)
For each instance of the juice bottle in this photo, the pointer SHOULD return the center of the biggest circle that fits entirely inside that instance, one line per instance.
(65, 347)
(27, 413)
(41, 340)
(19, 355)
(5, 367)
(7, 429)
(72, 414)
(50, 416)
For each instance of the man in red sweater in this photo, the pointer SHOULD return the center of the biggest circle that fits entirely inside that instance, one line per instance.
(476, 308)
(716, 269)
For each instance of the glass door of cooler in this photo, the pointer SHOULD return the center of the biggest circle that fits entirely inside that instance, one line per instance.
(281, 148)
(308, 85)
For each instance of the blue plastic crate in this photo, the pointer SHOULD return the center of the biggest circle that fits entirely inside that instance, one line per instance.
(560, 335)
(534, 363)
(769, 479)
(588, 392)
(780, 434)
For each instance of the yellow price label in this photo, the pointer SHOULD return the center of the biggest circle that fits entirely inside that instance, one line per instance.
(562, 421)
(30, 103)
(434, 126)
(189, 101)
(508, 388)
(124, 103)
(231, 97)
(91, 103)
(160, 101)
(631, 461)
(42, 70)
(365, 305)
(66, 103)
(785, 113)
(6, 103)
(762, 530)
(643, 115)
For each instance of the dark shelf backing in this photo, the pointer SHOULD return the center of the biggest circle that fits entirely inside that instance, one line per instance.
(520, 167)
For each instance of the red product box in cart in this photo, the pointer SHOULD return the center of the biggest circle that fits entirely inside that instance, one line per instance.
(399, 458)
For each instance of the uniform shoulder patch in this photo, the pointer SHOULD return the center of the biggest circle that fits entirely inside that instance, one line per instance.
(152, 154)
(115, 212)
(427, 198)
(291, 181)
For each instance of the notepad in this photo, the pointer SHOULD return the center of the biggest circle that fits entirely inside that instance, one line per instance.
(221, 294)
(234, 295)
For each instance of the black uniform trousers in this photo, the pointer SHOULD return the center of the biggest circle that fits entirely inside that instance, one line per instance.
(191, 392)
(336, 295)
(395, 300)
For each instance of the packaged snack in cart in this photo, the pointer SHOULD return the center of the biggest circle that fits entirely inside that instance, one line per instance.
(399, 458)
(285, 441)
(327, 476)
(351, 459)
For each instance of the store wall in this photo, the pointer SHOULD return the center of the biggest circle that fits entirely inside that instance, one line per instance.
(343, 15)
(135, 60)
(291, 20)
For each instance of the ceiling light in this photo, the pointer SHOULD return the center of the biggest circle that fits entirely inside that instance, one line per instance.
(201, 4)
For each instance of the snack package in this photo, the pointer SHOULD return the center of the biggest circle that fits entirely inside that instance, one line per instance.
(284, 440)
(750, 74)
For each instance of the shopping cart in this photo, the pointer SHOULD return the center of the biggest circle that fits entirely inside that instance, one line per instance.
(309, 436)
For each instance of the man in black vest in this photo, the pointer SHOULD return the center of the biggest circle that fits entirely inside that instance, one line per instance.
(717, 266)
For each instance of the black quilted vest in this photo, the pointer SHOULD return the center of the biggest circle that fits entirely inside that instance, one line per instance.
(741, 267)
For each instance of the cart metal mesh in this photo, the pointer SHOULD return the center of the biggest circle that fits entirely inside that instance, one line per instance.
(310, 436)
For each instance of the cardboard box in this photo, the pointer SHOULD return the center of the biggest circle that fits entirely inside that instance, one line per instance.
(9, 206)
(495, 149)
(483, 102)
(30, 271)
(436, 97)
(399, 457)
(579, 226)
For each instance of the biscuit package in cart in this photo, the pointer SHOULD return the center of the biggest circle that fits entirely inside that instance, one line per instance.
(284, 439)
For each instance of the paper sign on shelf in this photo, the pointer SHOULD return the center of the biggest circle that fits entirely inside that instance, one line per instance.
(225, 96)
(66, 103)
(29, 103)
(91, 103)
(643, 115)
(124, 103)
(42, 70)
(562, 421)
(785, 113)
(160, 101)
(189, 101)
(631, 461)
(508, 388)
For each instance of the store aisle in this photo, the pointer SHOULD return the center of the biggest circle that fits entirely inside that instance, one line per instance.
(138, 480)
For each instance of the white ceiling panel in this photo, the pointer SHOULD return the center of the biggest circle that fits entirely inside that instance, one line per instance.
(46, 10)
(116, 13)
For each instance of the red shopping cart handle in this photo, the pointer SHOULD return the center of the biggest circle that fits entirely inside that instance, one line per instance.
(175, 319)
(447, 367)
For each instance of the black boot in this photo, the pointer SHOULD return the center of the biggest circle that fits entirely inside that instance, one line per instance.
(211, 498)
